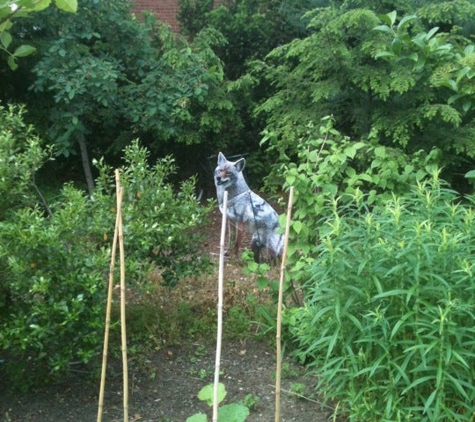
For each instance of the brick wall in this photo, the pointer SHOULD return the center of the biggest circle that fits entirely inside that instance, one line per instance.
(165, 10)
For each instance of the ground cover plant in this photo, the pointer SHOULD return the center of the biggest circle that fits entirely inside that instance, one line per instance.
(388, 322)
(232, 412)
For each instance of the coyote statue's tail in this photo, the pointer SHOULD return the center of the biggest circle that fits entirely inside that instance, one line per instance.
(246, 209)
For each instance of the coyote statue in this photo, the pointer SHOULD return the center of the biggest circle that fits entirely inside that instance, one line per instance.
(246, 209)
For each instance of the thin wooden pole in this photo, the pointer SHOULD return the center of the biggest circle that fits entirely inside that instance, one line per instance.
(220, 309)
(122, 307)
(108, 311)
(279, 308)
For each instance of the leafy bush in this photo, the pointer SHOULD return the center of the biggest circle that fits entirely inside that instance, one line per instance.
(388, 323)
(330, 165)
(21, 155)
(54, 273)
(161, 225)
(54, 268)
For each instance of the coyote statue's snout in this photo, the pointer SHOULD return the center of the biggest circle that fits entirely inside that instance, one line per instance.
(246, 209)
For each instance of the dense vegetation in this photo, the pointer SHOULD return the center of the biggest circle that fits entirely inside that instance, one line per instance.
(54, 254)
(366, 107)
(387, 321)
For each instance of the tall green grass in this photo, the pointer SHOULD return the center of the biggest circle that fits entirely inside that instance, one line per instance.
(389, 318)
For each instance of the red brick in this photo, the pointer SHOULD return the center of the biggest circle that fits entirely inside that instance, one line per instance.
(165, 10)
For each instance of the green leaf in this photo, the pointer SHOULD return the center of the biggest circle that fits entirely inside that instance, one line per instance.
(12, 63)
(429, 401)
(5, 25)
(290, 179)
(198, 417)
(390, 293)
(262, 283)
(450, 83)
(405, 21)
(428, 379)
(384, 54)
(297, 226)
(432, 32)
(392, 16)
(253, 266)
(383, 28)
(5, 39)
(366, 177)
(352, 149)
(207, 393)
(67, 5)
(41, 5)
(24, 50)
(380, 152)
(396, 46)
(470, 174)
(332, 188)
(419, 40)
(469, 50)
(28, 4)
(457, 383)
(233, 412)
(388, 18)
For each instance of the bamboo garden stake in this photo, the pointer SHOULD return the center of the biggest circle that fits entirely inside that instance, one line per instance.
(108, 313)
(122, 304)
(279, 308)
(220, 309)
(118, 238)
(108, 308)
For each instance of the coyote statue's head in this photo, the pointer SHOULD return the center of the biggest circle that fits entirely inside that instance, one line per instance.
(228, 172)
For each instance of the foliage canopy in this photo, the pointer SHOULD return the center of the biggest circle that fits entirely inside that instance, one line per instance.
(387, 80)
(102, 77)
(12, 9)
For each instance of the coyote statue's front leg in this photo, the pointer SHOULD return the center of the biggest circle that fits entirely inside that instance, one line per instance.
(246, 209)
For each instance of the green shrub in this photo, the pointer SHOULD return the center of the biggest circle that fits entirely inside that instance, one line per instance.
(21, 155)
(161, 223)
(54, 268)
(328, 165)
(388, 323)
(53, 276)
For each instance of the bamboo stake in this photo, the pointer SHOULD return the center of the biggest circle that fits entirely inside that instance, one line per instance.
(108, 311)
(220, 309)
(122, 307)
(279, 308)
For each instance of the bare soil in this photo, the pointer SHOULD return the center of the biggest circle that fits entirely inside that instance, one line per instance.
(169, 393)
(164, 382)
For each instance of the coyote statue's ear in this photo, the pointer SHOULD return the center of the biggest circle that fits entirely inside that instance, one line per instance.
(240, 164)
(221, 159)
